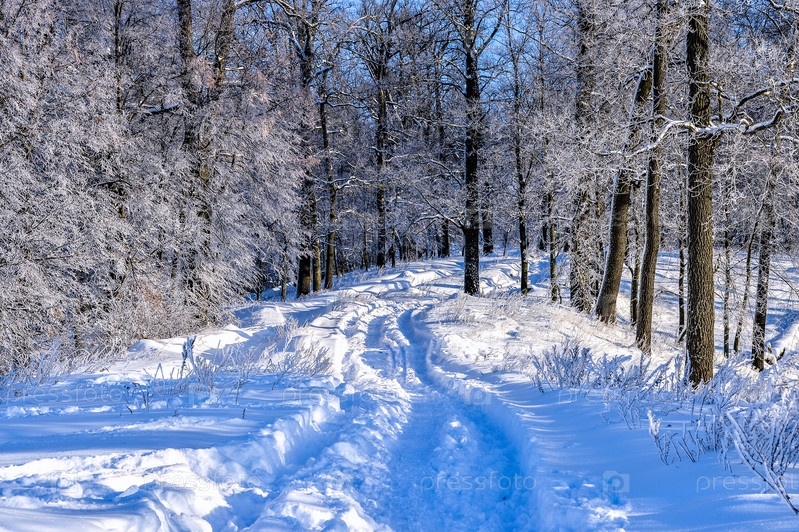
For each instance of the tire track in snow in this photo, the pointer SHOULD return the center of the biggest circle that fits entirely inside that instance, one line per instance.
(448, 467)
(412, 457)
(327, 492)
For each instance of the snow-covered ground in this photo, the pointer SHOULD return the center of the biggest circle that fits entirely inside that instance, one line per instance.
(391, 403)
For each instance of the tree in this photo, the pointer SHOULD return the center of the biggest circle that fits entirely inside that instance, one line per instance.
(764, 263)
(701, 146)
(646, 292)
(583, 272)
(523, 169)
(620, 205)
(303, 26)
(376, 48)
(468, 17)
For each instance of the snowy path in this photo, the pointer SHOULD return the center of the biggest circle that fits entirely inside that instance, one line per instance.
(427, 421)
(448, 460)
(434, 460)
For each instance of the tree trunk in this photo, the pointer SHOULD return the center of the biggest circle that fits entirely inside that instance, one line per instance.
(519, 166)
(523, 234)
(581, 274)
(196, 148)
(681, 275)
(284, 277)
(646, 292)
(487, 219)
(747, 280)
(554, 288)
(763, 271)
(332, 191)
(701, 147)
(317, 257)
(620, 207)
(119, 54)
(304, 276)
(471, 226)
(365, 253)
(380, 157)
(635, 280)
(725, 306)
(445, 240)
(307, 221)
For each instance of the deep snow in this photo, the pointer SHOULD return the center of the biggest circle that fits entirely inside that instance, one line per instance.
(427, 419)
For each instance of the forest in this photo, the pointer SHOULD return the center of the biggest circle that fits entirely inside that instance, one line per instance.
(163, 160)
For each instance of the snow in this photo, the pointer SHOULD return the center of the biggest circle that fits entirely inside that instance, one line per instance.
(427, 417)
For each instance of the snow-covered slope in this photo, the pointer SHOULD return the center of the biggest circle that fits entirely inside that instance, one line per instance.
(392, 403)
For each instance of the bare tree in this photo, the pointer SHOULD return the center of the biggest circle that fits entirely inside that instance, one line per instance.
(620, 205)
(701, 147)
(764, 262)
(646, 292)
(476, 26)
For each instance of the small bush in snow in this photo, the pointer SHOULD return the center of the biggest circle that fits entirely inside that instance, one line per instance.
(766, 437)
(204, 371)
(38, 369)
(507, 305)
(286, 331)
(457, 311)
(566, 365)
(308, 358)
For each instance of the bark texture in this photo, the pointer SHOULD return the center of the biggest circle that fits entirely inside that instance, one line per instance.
(646, 291)
(701, 147)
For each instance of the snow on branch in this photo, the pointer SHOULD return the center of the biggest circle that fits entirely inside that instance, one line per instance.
(744, 126)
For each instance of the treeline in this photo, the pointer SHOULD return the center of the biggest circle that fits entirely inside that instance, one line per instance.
(165, 158)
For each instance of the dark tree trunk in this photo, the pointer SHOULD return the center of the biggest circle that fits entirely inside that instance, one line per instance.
(332, 191)
(223, 43)
(316, 253)
(701, 148)
(523, 234)
(763, 271)
(119, 53)
(635, 280)
(380, 260)
(284, 278)
(380, 157)
(365, 254)
(519, 166)
(554, 288)
(634, 252)
(487, 219)
(379, 43)
(581, 274)
(646, 292)
(304, 276)
(444, 250)
(471, 225)
(620, 207)
(308, 221)
(309, 275)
